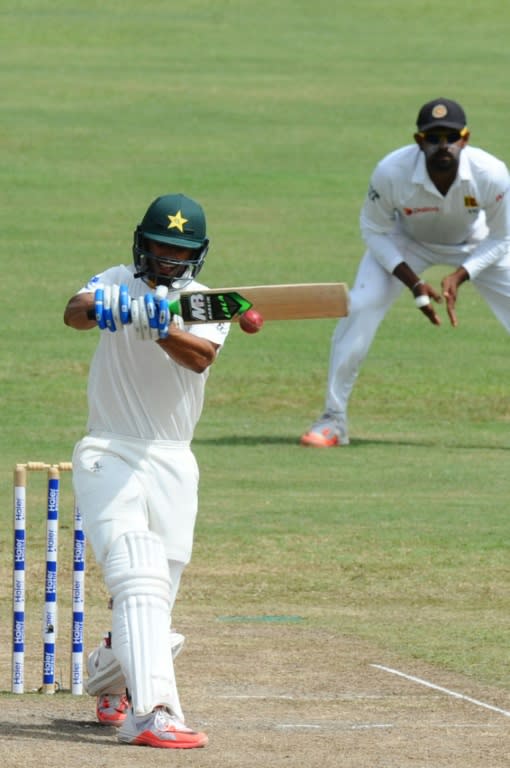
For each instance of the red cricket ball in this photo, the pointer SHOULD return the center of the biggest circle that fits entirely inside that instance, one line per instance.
(251, 321)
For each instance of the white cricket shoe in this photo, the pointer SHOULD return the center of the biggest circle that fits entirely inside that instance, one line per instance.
(159, 729)
(328, 431)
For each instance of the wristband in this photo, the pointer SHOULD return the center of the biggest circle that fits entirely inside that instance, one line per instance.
(415, 286)
(422, 301)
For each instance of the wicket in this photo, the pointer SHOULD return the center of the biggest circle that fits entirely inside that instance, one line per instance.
(49, 684)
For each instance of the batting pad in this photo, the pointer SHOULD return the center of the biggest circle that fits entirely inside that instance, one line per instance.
(104, 671)
(138, 579)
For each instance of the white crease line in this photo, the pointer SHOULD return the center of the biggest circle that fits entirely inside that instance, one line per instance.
(291, 697)
(362, 727)
(243, 696)
(442, 690)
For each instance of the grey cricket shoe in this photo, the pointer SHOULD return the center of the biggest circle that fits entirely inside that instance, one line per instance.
(159, 729)
(326, 432)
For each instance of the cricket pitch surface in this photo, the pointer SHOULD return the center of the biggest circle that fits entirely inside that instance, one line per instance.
(272, 694)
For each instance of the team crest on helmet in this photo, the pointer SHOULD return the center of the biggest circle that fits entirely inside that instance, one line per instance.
(178, 221)
(439, 111)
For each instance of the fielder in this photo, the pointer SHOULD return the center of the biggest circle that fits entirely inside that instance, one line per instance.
(438, 201)
(134, 474)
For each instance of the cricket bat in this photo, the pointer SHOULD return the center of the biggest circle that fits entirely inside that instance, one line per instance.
(293, 301)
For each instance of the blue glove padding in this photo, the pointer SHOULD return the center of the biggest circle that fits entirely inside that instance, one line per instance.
(164, 314)
(151, 317)
(112, 307)
(99, 308)
(164, 318)
(124, 305)
(144, 313)
(152, 310)
(150, 314)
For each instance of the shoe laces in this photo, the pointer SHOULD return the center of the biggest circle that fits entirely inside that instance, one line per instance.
(109, 701)
(165, 721)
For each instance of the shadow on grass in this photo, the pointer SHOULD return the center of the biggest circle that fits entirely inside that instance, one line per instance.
(355, 443)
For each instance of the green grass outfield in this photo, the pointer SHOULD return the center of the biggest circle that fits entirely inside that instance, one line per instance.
(273, 116)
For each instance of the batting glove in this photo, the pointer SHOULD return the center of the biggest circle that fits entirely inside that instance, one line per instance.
(164, 315)
(151, 316)
(112, 307)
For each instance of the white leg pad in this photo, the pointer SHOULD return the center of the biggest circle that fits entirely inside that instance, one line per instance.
(105, 674)
(138, 579)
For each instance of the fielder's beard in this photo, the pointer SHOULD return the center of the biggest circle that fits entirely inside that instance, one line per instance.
(442, 161)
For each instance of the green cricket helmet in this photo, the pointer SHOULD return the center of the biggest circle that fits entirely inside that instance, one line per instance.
(176, 220)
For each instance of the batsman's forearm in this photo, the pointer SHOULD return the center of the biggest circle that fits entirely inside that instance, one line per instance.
(79, 312)
(189, 351)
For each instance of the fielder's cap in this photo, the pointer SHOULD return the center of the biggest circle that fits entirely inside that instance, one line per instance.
(441, 113)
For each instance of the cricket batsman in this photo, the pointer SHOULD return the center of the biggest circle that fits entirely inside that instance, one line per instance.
(134, 474)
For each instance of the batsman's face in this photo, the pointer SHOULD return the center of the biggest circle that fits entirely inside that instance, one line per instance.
(167, 258)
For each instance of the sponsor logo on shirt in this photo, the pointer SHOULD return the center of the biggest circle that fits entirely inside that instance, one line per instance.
(425, 209)
(470, 202)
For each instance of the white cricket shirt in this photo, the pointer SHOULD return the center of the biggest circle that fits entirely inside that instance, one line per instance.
(473, 218)
(135, 389)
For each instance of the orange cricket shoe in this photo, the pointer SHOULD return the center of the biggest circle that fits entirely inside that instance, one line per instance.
(159, 729)
(112, 708)
(327, 432)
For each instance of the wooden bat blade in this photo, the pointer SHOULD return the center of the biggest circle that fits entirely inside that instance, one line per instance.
(296, 301)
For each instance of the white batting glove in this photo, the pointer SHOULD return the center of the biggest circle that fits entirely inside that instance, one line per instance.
(112, 307)
(151, 317)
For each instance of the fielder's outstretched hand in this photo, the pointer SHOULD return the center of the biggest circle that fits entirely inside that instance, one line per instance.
(450, 286)
(423, 293)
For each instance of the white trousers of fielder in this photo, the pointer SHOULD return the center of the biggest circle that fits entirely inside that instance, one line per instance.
(373, 293)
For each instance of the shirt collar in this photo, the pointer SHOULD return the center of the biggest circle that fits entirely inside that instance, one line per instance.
(420, 175)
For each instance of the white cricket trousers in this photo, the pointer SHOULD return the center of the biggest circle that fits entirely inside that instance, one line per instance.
(373, 293)
(126, 484)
